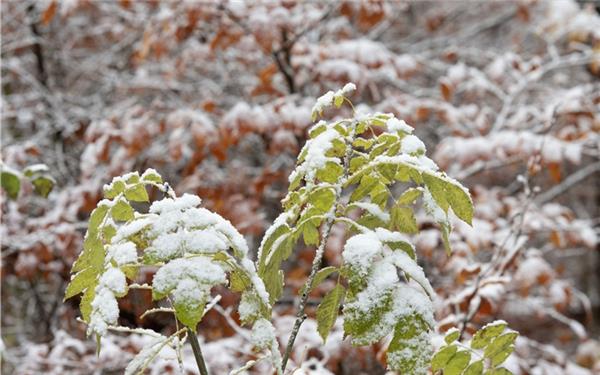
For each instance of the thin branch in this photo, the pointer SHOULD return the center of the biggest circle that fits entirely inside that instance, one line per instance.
(568, 183)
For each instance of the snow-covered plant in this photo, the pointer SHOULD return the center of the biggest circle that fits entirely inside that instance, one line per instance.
(37, 174)
(349, 172)
(193, 249)
(489, 348)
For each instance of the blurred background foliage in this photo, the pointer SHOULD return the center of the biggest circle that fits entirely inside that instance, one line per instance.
(216, 96)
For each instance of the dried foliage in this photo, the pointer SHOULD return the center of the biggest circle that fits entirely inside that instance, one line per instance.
(218, 96)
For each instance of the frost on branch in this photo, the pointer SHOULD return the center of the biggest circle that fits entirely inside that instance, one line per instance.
(354, 164)
(193, 248)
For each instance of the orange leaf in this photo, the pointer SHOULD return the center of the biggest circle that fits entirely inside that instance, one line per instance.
(446, 90)
(49, 13)
(554, 169)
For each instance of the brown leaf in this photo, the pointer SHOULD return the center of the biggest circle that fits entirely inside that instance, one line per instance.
(49, 13)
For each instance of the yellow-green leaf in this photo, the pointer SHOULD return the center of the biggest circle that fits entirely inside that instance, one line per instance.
(328, 310)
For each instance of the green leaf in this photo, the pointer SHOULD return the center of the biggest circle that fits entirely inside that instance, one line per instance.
(338, 101)
(457, 363)
(137, 193)
(130, 271)
(273, 279)
(498, 371)
(445, 229)
(328, 310)
(150, 175)
(122, 211)
(239, 281)
(317, 129)
(379, 194)
(436, 187)
(295, 182)
(108, 232)
(190, 312)
(115, 188)
(371, 221)
(311, 234)
(322, 274)
(330, 173)
(322, 198)
(409, 351)
(486, 334)
(475, 368)
(361, 326)
(461, 203)
(357, 162)
(387, 171)
(403, 219)
(367, 183)
(442, 357)
(363, 143)
(500, 348)
(132, 178)
(452, 335)
(268, 244)
(85, 306)
(92, 255)
(43, 185)
(79, 282)
(97, 218)
(11, 182)
(404, 246)
(409, 196)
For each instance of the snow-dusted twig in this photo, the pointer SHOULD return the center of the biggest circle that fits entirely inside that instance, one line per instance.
(568, 183)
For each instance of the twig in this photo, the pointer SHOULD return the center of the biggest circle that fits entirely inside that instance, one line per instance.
(568, 183)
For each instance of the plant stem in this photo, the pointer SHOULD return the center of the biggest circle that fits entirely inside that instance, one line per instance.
(301, 316)
(316, 265)
(197, 352)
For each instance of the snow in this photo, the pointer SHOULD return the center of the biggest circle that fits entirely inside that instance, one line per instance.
(279, 221)
(123, 253)
(105, 311)
(401, 260)
(177, 204)
(204, 241)
(132, 227)
(248, 308)
(167, 246)
(35, 168)
(149, 172)
(410, 144)
(191, 294)
(257, 282)
(315, 155)
(199, 269)
(113, 279)
(432, 208)
(329, 97)
(385, 235)
(366, 256)
(395, 125)
(360, 250)
(263, 334)
(323, 102)
(374, 210)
